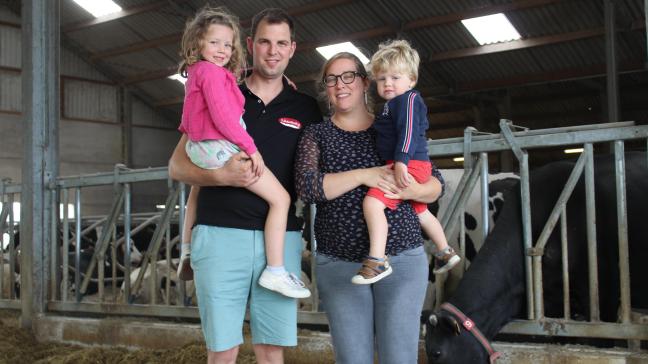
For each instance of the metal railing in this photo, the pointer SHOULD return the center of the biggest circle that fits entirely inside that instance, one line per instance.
(149, 288)
(8, 254)
(475, 148)
(83, 246)
(71, 273)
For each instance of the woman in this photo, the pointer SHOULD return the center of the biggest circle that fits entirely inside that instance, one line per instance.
(336, 162)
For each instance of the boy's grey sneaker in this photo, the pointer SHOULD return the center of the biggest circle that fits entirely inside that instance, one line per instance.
(445, 260)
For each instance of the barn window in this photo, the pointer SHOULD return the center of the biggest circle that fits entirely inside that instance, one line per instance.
(178, 78)
(16, 211)
(491, 29)
(99, 7)
(333, 49)
(574, 150)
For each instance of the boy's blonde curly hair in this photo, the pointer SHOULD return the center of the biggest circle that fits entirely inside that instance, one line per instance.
(194, 33)
(396, 55)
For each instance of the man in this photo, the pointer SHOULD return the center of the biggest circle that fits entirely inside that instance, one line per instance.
(227, 246)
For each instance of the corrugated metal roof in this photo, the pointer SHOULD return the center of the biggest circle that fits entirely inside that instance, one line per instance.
(473, 74)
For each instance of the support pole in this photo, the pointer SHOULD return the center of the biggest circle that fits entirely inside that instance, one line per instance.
(40, 94)
(126, 119)
(611, 61)
(646, 28)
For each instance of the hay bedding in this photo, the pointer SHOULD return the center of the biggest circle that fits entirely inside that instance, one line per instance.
(18, 346)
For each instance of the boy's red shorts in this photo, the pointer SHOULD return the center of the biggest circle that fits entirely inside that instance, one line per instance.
(421, 171)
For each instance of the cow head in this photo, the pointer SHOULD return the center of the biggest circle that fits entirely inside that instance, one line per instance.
(446, 341)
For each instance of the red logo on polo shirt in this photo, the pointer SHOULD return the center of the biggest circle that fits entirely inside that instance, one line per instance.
(290, 122)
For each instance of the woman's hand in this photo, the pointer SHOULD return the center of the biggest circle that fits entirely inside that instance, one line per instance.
(427, 192)
(374, 177)
(393, 191)
(402, 177)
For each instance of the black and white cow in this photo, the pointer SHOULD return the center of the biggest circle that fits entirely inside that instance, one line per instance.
(492, 291)
(497, 184)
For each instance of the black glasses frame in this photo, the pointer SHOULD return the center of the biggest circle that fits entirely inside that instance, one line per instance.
(332, 80)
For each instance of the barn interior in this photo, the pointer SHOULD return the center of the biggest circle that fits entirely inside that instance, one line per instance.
(118, 100)
(565, 69)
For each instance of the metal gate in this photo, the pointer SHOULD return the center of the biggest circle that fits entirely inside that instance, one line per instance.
(475, 147)
(72, 270)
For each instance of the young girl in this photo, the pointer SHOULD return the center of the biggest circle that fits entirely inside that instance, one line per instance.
(212, 120)
(400, 139)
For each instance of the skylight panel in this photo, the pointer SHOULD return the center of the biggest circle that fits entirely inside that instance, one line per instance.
(333, 49)
(178, 78)
(494, 28)
(99, 8)
(573, 150)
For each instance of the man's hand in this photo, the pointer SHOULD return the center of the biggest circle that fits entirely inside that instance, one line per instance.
(237, 171)
(400, 174)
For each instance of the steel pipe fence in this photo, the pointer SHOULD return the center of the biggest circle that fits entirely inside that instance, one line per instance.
(144, 283)
(9, 277)
(475, 146)
(97, 268)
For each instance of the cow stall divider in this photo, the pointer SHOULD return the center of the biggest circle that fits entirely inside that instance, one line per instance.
(95, 267)
(475, 146)
(71, 275)
(9, 194)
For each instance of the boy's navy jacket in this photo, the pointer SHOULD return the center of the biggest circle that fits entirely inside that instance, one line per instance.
(400, 129)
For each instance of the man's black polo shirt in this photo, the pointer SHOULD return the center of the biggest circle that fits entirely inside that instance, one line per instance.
(275, 129)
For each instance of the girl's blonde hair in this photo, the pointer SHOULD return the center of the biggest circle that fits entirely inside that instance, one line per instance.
(398, 55)
(194, 33)
(360, 68)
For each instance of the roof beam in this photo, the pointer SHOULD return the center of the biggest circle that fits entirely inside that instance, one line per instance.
(148, 76)
(172, 38)
(499, 47)
(133, 10)
(503, 83)
(426, 22)
(169, 102)
(516, 44)
(567, 74)
(63, 77)
(136, 47)
(371, 33)
(10, 24)
(528, 43)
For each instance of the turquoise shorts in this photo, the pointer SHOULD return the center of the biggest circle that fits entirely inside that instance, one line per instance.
(227, 264)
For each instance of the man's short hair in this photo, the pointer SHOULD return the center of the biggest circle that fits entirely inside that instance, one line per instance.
(273, 16)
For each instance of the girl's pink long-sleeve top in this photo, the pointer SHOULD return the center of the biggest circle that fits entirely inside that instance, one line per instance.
(213, 106)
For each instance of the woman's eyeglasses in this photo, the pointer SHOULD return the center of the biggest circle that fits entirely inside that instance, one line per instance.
(346, 77)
